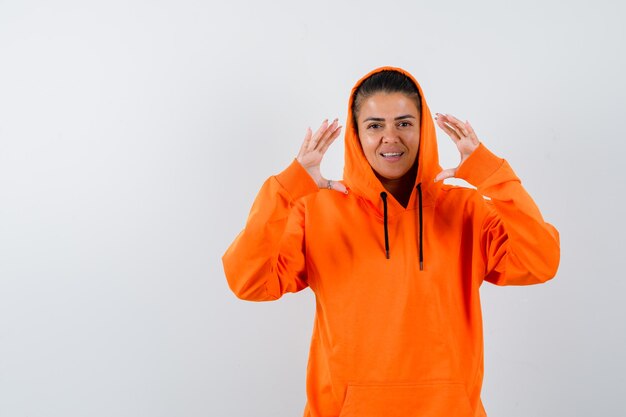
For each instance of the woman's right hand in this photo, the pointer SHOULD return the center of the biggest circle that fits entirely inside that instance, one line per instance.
(313, 149)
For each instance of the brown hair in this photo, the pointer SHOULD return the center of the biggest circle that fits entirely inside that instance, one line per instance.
(386, 81)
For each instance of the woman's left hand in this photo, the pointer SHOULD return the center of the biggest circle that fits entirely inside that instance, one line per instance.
(463, 136)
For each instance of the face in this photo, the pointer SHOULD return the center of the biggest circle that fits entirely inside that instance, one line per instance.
(389, 131)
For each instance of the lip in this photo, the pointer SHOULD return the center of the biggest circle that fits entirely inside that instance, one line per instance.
(391, 156)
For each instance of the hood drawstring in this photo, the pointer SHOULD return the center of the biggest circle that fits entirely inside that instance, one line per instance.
(421, 243)
(383, 195)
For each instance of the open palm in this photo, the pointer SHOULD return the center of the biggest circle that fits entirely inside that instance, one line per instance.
(312, 152)
(463, 136)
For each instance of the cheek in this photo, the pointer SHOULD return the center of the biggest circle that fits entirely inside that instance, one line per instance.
(369, 146)
(414, 141)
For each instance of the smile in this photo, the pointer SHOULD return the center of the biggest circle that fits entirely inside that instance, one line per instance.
(392, 154)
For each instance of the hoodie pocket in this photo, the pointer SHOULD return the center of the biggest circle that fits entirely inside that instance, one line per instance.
(442, 399)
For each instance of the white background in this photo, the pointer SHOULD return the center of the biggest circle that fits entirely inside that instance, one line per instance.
(134, 136)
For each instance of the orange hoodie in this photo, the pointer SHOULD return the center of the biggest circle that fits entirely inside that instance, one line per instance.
(391, 338)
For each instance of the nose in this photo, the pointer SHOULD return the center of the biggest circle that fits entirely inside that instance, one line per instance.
(390, 135)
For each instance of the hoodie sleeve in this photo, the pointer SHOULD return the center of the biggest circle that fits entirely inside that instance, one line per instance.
(266, 259)
(519, 247)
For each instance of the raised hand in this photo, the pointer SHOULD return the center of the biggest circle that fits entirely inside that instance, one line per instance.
(313, 149)
(463, 136)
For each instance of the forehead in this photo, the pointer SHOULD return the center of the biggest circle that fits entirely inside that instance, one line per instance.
(388, 105)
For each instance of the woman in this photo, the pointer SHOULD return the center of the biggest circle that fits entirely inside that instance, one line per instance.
(394, 256)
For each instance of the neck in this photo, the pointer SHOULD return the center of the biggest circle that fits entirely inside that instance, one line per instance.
(401, 188)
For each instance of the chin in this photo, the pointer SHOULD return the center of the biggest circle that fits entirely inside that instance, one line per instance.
(391, 175)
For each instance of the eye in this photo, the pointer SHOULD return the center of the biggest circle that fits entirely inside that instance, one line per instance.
(404, 124)
(373, 125)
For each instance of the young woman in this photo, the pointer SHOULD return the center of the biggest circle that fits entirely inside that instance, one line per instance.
(394, 256)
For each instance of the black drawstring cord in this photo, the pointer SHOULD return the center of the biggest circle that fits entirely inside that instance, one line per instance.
(383, 195)
(421, 248)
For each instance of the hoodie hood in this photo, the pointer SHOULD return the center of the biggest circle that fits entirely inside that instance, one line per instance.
(359, 175)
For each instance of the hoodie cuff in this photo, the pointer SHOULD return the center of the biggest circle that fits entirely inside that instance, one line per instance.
(479, 166)
(296, 181)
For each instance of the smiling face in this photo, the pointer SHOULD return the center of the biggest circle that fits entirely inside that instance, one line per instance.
(389, 131)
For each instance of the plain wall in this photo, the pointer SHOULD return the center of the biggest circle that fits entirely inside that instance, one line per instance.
(134, 136)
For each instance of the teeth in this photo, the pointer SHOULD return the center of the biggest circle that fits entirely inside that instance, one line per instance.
(388, 154)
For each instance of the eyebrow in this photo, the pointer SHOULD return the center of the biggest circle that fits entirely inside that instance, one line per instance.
(380, 119)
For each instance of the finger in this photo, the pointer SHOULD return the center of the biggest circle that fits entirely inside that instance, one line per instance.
(444, 121)
(459, 125)
(472, 134)
(449, 130)
(334, 185)
(331, 136)
(337, 186)
(446, 173)
(324, 147)
(317, 134)
(327, 134)
(307, 140)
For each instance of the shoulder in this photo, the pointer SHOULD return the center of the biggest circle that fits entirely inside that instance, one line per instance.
(456, 197)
